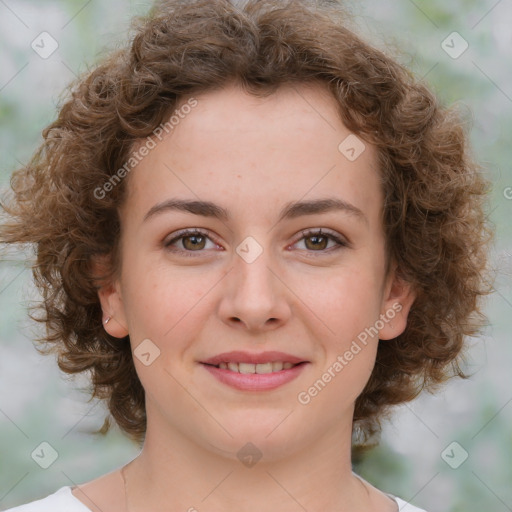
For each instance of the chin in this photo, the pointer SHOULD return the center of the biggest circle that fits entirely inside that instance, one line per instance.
(258, 434)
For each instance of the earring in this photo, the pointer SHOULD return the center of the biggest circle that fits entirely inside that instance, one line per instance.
(107, 320)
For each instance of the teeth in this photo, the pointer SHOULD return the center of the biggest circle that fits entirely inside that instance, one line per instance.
(264, 368)
(277, 366)
(246, 368)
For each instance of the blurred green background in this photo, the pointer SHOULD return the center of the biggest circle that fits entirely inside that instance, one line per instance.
(38, 404)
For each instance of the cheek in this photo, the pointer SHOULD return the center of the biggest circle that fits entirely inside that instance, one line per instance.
(344, 302)
(161, 302)
(348, 307)
(164, 305)
(350, 310)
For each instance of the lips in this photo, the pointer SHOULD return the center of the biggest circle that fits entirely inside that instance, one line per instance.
(247, 371)
(253, 358)
(260, 368)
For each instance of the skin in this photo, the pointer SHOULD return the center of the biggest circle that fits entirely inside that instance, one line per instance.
(250, 156)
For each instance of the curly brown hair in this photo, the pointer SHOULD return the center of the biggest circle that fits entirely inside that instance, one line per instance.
(433, 215)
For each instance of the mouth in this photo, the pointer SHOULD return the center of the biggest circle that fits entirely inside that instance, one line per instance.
(247, 371)
(260, 368)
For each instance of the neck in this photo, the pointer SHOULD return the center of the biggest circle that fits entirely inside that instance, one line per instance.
(174, 473)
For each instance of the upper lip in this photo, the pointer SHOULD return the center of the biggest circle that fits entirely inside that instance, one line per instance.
(254, 358)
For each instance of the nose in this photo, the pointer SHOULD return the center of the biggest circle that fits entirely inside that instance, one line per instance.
(254, 297)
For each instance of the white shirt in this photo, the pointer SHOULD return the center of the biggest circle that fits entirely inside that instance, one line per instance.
(63, 500)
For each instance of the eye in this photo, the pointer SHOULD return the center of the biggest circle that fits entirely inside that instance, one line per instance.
(191, 240)
(318, 240)
(195, 240)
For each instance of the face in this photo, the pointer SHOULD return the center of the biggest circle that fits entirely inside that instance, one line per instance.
(252, 279)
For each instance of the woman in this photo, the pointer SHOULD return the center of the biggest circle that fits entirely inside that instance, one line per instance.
(257, 233)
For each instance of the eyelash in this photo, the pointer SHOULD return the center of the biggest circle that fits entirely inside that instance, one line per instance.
(305, 234)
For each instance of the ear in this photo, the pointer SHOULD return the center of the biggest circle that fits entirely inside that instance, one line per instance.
(109, 293)
(397, 301)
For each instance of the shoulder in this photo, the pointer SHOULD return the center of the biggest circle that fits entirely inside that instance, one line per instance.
(403, 506)
(60, 501)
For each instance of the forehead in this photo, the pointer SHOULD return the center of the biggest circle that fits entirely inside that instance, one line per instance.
(259, 152)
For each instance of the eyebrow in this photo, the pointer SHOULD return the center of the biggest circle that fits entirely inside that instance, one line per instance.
(290, 211)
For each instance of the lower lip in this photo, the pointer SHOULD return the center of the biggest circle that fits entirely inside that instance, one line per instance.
(255, 381)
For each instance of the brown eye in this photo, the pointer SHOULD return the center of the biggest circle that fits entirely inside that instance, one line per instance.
(193, 242)
(317, 241)
(188, 241)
